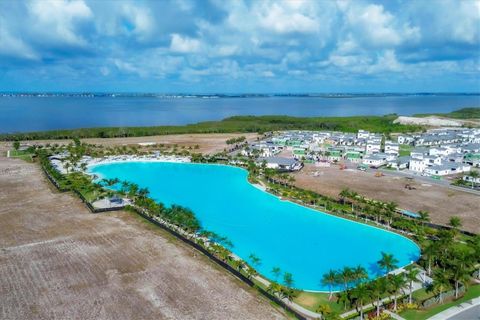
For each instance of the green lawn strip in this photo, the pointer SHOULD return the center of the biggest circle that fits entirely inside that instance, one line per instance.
(405, 150)
(472, 292)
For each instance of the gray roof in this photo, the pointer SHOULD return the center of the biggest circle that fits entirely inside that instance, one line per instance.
(279, 160)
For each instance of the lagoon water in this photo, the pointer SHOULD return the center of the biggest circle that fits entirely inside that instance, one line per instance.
(299, 240)
(32, 113)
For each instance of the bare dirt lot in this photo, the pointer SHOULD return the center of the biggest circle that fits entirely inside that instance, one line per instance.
(59, 261)
(440, 202)
(207, 143)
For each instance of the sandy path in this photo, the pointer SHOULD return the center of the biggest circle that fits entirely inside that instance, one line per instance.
(58, 261)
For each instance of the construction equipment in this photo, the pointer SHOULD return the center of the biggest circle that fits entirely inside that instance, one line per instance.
(378, 174)
(409, 187)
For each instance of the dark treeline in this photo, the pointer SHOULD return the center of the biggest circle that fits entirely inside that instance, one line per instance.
(237, 124)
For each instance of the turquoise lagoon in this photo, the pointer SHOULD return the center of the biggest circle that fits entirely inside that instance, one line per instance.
(305, 242)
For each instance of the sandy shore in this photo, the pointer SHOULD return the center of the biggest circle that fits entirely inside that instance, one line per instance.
(441, 202)
(59, 261)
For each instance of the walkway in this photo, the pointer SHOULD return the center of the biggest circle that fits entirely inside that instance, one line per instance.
(454, 311)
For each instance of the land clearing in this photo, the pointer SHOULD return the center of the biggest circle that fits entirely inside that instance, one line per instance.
(59, 261)
(435, 121)
(208, 143)
(441, 202)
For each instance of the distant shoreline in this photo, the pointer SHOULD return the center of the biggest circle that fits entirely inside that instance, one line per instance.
(226, 96)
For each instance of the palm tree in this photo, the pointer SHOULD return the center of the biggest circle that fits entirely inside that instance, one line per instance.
(423, 216)
(388, 262)
(359, 274)
(256, 261)
(455, 222)
(411, 276)
(440, 285)
(288, 279)
(343, 298)
(473, 175)
(391, 208)
(324, 310)
(276, 273)
(378, 287)
(397, 283)
(361, 294)
(430, 253)
(344, 194)
(346, 276)
(330, 279)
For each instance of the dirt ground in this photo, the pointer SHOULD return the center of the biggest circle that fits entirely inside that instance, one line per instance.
(59, 261)
(441, 202)
(208, 143)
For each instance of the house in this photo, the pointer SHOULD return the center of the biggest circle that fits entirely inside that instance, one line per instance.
(375, 160)
(373, 145)
(447, 168)
(404, 139)
(353, 156)
(363, 134)
(417, 164)
(399, 163)
(280, 163)
(392, 147)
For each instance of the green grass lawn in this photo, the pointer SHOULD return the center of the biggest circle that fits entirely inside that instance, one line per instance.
(24, 155)
(472, 292)
(405, 150)
(311, 301)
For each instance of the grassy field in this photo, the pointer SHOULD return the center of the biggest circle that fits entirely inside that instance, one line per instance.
(311, 301)
(239, 124)
(405, 150)
(471, 293)
(24, 155)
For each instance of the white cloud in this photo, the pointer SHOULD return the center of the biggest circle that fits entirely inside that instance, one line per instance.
(14, 46)
(377, 27)
(285, 20)
(56, 19)
(182, 44)
(141, 19)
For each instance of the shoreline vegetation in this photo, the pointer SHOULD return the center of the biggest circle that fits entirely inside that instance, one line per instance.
(246, 124)
(236, 124)
(448, 250)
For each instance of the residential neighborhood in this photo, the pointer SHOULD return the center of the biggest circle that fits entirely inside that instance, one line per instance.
(434, 153)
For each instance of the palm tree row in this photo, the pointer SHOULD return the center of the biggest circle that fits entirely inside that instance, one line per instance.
(451, 264)
(358, 292)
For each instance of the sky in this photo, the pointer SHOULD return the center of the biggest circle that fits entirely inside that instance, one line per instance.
(257, 46)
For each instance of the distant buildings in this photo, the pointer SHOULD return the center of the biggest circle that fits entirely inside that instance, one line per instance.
(436, 152)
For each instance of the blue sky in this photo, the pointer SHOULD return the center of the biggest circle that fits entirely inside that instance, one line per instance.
(240, 46)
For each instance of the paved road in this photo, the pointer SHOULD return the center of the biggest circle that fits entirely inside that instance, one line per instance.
(469, 314)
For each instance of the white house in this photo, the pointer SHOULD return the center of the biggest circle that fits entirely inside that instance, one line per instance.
(417, 164)
(375, 160)
(373, 146)
(447, 168)
(363, 134)
(392, 147)
(280, 163)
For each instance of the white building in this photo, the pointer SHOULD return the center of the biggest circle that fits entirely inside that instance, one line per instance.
(392, 147)
(375, 160)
